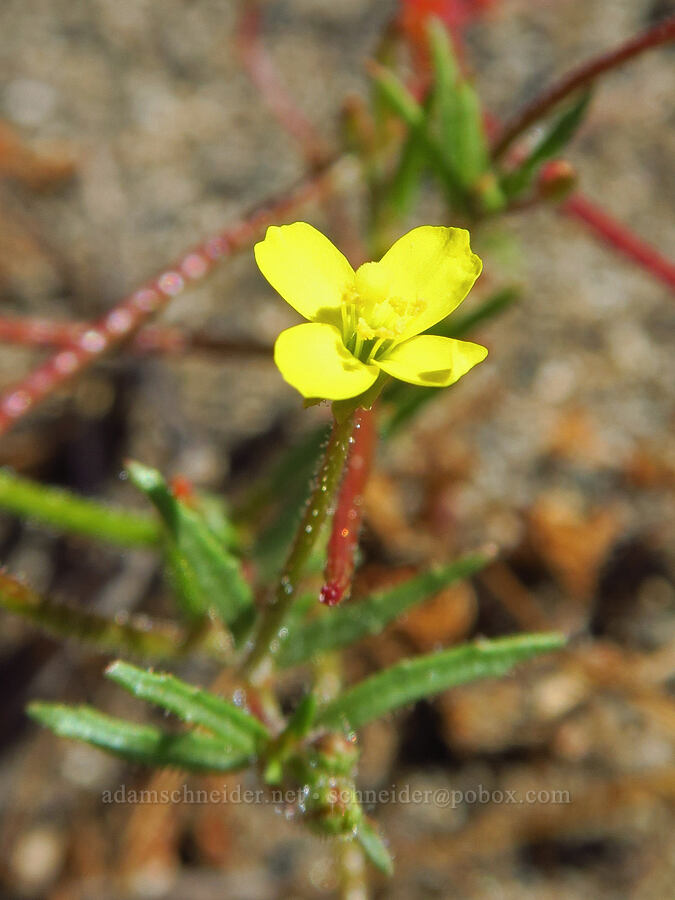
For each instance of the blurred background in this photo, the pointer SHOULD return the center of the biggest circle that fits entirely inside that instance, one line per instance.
(128, 132)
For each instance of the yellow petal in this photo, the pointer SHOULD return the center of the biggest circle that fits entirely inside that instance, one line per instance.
(307, 270)
(313, 359)
(432, 361)
(430, 270)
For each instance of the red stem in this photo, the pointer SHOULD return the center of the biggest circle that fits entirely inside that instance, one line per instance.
(264, 75)
(580, 77)
(619, 237)
(38, 332)
(120, 323)
(346, 525)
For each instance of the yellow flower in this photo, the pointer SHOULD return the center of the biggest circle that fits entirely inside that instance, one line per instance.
(370, 321)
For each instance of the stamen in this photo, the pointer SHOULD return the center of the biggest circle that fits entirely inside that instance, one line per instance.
(376, 346)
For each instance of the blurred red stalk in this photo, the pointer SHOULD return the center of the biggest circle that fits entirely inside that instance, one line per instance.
(619, 237)
(346, 525)
(150, 339)
(80, 349)
(265, 76)
(125, 319)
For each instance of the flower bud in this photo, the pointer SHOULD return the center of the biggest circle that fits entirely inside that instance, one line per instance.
(557, 179)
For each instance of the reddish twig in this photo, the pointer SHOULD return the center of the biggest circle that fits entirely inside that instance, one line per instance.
(344, 535)
(32, 332)
(133, 311)
(38, 332)
(579, 78)
(620, 238)
(265, 76)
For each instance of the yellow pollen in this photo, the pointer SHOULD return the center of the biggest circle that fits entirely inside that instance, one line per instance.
(384, 321)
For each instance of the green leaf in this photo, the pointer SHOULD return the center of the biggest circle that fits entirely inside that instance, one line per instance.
(139, 743)
(303, 716)
(374, 847)
(466, 142)
(463, 139)
(346, 624)
(413, 679)
(213, 511)
(397, 97)
(235, 726)
(139, 636)
(444, 62)
(76, 515)
(297, 728)
(206, 575)
(403, 401)
(555, 140)
(405, 183)
(414, 115)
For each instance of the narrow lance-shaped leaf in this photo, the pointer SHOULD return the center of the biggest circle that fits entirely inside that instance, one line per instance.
(138, 636)
(413, 679)
(343, 625)
(405, 183)
(374, 847)
(139, 743)
(235, 726)
(462, 139)
(402, 102)
(297, 728)
(205, 573)
(76, 515)
(215, 515)
(555, 140)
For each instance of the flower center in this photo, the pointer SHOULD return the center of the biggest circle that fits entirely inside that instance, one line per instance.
(370, 329)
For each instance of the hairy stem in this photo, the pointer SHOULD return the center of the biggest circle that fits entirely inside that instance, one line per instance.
(270, 634)
(346, 525)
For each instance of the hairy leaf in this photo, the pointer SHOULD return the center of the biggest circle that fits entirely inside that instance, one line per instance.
(413, 679)
(206, 575)
(343, 625)
(235, 726)
(374, 847)
(139, 743)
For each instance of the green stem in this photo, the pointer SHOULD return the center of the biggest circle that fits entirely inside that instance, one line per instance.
(77, 515)
(352, 867)
(270, 633)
